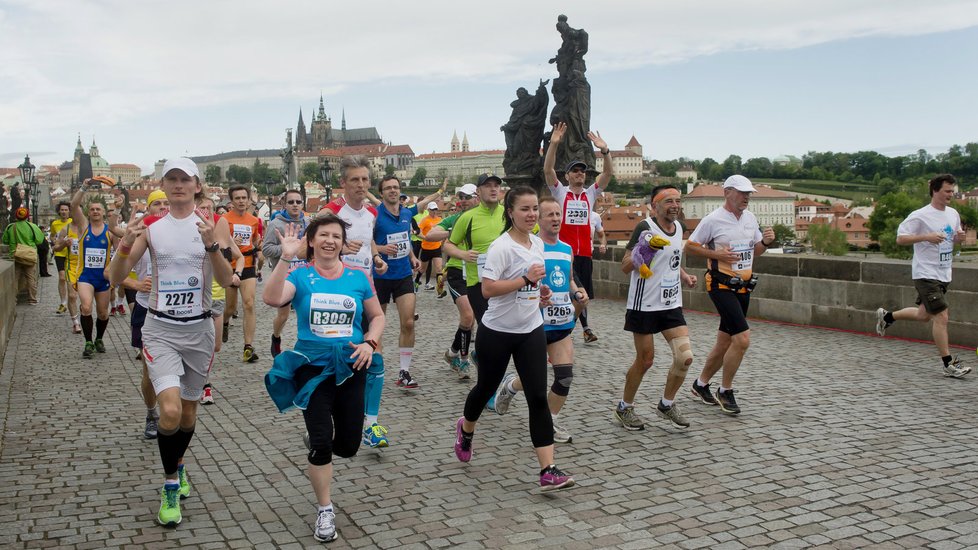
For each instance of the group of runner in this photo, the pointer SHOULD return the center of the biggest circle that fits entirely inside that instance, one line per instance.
(519, 272)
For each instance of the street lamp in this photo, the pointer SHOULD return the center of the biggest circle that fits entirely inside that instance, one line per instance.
(326, 171)
(27, 176)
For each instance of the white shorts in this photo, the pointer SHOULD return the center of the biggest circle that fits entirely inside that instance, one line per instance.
(178, 355)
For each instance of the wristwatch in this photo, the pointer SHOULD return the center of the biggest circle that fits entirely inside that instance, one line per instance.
(605, 151)
(213, 247)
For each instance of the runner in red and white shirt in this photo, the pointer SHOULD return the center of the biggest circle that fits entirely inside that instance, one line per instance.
(577, 203)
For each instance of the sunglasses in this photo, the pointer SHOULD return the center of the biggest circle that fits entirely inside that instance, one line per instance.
(576, 170)
(463, 196)
(293, 202)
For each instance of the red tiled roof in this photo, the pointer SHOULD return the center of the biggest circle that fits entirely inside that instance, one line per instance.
(460, 154)
(125, 166)
(763, 191)
(633, 142)
(807, 202)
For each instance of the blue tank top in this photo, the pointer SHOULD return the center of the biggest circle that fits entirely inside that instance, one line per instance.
(559, 259)
(94, 254)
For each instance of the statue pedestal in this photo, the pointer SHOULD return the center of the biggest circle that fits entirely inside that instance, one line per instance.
(529, 180)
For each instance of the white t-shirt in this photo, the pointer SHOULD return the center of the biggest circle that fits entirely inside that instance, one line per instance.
(143, 269)
(517, 312)
(663, 290)
(596, 224)
(932, 261)
(721, 229)
(182, 271)
(361, 229)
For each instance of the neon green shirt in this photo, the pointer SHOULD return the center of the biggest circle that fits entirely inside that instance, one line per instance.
(476, 229)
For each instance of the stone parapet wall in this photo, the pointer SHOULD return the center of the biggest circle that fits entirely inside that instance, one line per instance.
(841, 293)
(8, 303)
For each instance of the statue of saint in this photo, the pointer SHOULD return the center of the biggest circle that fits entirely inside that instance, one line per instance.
(524, 131)
(572, 95)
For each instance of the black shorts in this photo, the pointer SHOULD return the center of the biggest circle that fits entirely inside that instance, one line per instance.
(416, 247)
(248, 273)
(732, 307)
(583, 268)
(60, 262)
(130, 295)
(557, 335)
(653, 322)
(393, 288)
(930, 292)
(136, 320)
(456, 283)
(478, 302)
(428, 255)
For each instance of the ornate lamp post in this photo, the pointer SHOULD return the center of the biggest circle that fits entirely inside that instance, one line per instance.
(326, 171)
(30, 184)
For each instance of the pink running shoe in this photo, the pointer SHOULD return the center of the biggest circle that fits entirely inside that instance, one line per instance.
(552, 479)
(463, 446)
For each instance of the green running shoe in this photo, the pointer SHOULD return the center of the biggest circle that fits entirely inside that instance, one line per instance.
(184, 482)
(169, 515)
(99, 346)
(89, 350)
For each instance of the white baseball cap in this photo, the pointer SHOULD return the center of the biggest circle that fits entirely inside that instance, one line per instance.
(183, 164)
(468, 189)
(432, 205)
(740, 183)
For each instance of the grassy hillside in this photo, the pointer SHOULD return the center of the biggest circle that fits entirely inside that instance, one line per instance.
(842, 190)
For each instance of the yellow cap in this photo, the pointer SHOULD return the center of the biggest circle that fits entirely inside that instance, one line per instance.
(155, 196)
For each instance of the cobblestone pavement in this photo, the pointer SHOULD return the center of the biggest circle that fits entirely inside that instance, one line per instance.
(846, 440)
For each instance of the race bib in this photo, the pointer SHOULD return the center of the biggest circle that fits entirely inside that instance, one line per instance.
(480, 264)
(946, 250)
(295, 263)
(403, 244)
(94, 257)
(744, 249)
(560, 311)
(74, 247)
(243, 232)
(331, 315)
(576, 212)
(180, 298)
(670, 289)
(528, 294)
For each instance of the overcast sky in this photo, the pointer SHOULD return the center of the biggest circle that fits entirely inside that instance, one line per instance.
(156, 79)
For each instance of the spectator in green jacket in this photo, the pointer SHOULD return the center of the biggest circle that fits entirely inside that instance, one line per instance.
(23, 232)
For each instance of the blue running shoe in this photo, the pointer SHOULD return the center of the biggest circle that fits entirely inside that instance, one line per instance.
(375, 436)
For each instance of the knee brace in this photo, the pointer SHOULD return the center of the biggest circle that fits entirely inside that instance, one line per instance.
(682, 356)
(563, 375)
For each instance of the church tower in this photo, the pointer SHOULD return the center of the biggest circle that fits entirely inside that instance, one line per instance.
(93, 150)
(455, 147)
(465, 142)
(320, 128)
(79, 150)
(301, 140)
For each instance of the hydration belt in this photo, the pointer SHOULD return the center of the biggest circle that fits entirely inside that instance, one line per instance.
(733, 282)
(205, 315)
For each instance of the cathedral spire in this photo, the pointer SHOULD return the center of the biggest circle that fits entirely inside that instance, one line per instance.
(301, 123)
(322, 107)
(343, 126)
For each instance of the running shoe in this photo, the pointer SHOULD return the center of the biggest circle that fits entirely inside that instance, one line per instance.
(249, 355)
(258, 276)
(208, 397)
(589, 336)
(881, 324)
(955, 369)
(440, 286)
(184, 482)
(224, 334)
(405, 381)
(703, 394)
(325, 529)
(429, 286)
(89, 350)
(504, 396)
(122, 310)
(417, 287)
(306, 441)
(491, 405)
(375, 436)
(473, 359)
(99, 345)
(169, 515)
(463, 445)
(561, 435)
(276, 345)
(452, 359)
(552, 479)
(152, 426)
(727, 402)
(464, 372)
(61, 309)
(628, 419)
(672, 414)
(112, 311)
